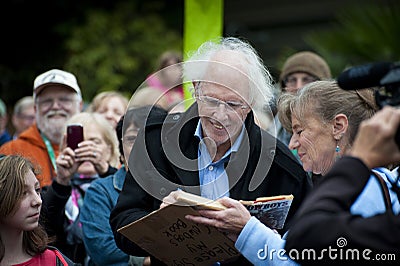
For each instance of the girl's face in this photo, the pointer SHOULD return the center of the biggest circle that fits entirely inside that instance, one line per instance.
(315, 144)
(26, 218)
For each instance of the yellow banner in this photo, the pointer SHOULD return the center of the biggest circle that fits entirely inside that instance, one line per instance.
(203, 21)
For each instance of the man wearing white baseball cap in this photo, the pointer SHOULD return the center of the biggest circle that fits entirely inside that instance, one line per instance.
(57, 97)
(55, 77)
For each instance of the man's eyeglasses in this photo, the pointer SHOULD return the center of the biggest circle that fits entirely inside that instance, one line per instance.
(211, 102)
(64, 102)
(292, 81)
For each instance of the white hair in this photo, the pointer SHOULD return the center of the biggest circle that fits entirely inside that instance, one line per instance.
(260, 80)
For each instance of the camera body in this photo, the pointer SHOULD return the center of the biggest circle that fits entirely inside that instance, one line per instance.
(390, 95)
(384, 75)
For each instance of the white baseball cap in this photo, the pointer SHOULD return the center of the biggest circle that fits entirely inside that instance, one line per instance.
(55, 76)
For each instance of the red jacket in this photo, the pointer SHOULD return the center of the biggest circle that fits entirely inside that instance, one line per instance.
(30, 145)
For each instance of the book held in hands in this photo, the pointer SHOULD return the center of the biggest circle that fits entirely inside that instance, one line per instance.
(271, 211)
(167, 235)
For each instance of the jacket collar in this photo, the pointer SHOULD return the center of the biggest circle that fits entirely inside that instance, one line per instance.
(119, 178)
(258, 148)
(32, 135)
(181, 147)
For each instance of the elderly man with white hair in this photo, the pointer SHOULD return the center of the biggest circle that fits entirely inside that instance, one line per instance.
(215, 148)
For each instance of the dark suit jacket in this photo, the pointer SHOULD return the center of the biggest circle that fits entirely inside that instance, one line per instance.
(164, 158)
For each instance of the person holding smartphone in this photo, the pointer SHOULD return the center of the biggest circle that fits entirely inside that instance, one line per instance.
(94, 157)
(102, 196)
(110, 104)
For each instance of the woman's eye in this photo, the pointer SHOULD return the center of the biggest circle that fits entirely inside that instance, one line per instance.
(299, 132)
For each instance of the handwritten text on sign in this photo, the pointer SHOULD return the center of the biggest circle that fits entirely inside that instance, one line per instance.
(187, 235)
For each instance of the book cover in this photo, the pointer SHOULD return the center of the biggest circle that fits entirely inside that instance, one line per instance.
(271, 211)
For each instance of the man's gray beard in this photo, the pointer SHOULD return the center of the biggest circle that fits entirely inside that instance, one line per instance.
(53, 129)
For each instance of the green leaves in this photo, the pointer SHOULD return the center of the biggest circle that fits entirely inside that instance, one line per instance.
(117, 50)
(361, 35)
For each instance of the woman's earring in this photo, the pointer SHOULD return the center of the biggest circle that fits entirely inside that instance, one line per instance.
(337, 150)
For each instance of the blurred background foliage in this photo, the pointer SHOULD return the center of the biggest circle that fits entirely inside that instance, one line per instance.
(362, 34)
(114, 45)
(116, 50)
(108, 45)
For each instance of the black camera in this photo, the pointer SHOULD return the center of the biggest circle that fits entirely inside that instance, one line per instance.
(384, 75)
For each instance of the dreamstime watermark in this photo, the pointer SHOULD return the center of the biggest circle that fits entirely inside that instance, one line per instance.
(330, 253)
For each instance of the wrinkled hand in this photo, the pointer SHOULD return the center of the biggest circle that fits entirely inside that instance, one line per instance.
(66, 166)
(89, 151)
(374, 143)
(231, 220)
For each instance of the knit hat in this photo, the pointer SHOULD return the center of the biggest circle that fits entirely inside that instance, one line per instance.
(307, 62)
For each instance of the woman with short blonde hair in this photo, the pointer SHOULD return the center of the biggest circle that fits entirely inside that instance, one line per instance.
(110, 104)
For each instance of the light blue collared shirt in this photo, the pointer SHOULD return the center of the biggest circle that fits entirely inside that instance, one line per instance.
(214, 181)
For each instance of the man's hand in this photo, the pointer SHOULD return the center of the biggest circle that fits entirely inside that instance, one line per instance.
(231, 220)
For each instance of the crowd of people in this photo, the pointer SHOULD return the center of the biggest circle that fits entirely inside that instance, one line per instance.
(332, 149)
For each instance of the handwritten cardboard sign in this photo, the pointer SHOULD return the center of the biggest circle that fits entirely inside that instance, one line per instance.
(176, 241)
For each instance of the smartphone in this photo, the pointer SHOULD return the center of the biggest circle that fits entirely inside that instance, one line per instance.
(74, 135)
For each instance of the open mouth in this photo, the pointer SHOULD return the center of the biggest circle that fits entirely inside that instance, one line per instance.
(56, 114)
(217, 125)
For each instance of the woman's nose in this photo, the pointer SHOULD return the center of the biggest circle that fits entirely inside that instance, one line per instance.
(37, 201)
